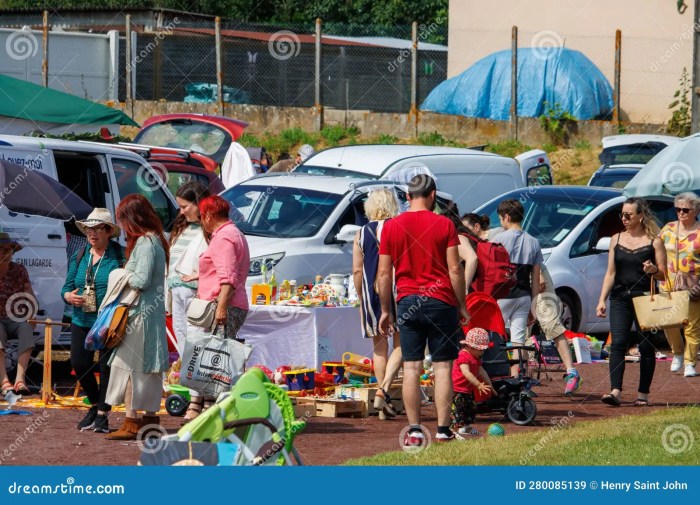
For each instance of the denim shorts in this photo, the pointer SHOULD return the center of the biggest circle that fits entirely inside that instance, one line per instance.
(423, 320)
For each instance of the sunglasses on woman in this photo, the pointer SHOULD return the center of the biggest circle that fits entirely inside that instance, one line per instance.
(627, 215)
(683, 210)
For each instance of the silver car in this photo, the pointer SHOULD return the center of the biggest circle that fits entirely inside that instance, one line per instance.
(573, 225)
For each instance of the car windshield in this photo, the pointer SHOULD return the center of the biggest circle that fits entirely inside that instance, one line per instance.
(548, 218)
(611, 181)
(195, 136)
(280, 212)
(334, 172)
(631, 153)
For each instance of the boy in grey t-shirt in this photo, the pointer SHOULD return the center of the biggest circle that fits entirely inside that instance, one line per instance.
(526, 254)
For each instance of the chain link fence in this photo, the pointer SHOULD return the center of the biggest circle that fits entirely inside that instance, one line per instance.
(175, 59)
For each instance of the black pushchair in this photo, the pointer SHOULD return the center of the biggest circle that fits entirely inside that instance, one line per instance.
(511, 397)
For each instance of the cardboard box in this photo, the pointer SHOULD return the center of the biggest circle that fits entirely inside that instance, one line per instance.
(262, 294)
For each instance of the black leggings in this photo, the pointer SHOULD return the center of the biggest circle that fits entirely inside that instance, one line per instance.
(83, 362)
(621, 318)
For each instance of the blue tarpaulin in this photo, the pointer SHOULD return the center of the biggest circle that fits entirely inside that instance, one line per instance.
(554, 75)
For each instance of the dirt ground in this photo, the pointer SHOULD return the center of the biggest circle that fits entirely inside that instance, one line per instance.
(50, 437)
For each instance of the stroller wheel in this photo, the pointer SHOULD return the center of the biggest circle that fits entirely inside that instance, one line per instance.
(176, 405)
(521, 410)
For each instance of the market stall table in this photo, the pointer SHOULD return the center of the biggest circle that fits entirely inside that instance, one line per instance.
(294, 335)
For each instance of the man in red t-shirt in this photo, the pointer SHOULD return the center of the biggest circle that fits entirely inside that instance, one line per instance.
(421, 248)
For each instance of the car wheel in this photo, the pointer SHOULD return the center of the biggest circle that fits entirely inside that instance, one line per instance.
(570, 317)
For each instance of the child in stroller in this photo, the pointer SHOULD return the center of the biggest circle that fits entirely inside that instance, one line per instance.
(468, 377)
(510, 394)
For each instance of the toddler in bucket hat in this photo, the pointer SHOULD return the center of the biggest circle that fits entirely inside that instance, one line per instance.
(470, 382)
(477, 338)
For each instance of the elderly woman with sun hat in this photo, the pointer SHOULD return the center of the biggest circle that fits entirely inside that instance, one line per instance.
(84, 289)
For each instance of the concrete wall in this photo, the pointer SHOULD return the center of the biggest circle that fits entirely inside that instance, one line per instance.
(371, 124)
(656, 41)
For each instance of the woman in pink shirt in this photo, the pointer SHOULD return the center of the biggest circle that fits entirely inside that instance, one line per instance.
(223, 268)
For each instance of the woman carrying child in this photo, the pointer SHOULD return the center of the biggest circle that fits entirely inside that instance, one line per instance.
(469, 376)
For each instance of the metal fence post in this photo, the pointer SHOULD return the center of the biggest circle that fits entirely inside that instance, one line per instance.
(127, 52)
(317, 77)
(45, 60)
(618, 63)
(413, 114)
(219, 72)
(514, 85)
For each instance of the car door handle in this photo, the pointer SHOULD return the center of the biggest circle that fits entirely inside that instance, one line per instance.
(54, 236)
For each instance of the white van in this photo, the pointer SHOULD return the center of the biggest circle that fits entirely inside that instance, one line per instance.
(101, 175)
(472, 177)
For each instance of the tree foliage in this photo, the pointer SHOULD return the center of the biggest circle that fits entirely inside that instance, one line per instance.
(363, 12)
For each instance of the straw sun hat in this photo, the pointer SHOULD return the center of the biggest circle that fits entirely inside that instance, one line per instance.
(99, 217)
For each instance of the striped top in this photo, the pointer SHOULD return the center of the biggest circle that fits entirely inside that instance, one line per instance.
(371, 309)
(76, 279)
(177, 249)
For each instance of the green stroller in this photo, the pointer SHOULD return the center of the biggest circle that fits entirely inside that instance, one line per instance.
(254, 424)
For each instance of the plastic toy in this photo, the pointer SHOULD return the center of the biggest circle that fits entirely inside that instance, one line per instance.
(176, 403)
(357, 367)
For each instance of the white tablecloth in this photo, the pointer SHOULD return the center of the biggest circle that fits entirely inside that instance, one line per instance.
(282, 335)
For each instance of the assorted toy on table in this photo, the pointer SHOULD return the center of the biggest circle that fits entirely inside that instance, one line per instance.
(335, 290)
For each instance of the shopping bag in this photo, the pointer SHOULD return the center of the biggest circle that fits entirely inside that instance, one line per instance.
(666, 309)
(212, 364)
(96, 337)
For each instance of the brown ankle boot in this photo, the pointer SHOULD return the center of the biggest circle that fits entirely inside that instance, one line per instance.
(127, 431)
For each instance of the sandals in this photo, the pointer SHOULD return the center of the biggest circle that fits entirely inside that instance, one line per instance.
(193, 410)
(6, 387)
(641, 402)
(384, 404)
(21, 388)
(611, 399)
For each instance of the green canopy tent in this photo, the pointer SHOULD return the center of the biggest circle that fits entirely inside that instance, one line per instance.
(25, 107)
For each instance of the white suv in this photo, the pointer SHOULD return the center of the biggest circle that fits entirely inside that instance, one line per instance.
(302, 224)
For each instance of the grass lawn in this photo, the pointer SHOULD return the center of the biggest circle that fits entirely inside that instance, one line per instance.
(662, 437)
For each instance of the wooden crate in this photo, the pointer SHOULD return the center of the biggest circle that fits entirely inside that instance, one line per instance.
(329, 407)
(304, 410)
(366, 396)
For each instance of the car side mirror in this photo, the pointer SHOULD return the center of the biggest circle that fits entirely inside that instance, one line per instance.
(347, 233)
(603, 244)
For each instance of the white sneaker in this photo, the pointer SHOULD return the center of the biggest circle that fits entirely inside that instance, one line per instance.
(677, 362)
(689, 370)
